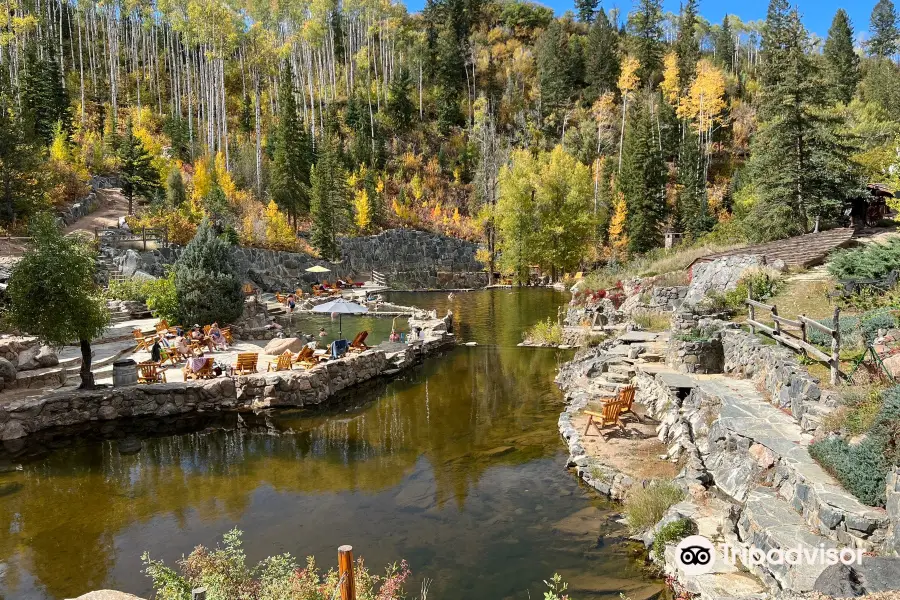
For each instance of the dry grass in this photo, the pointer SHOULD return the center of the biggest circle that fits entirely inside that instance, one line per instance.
(802, 298)
(644, 507)
(651, 320)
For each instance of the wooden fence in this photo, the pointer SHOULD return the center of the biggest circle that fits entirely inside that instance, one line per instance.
(379, 279)
(143, 235)
(786, 332)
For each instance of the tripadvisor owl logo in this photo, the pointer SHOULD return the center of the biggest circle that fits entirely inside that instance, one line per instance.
(696, 555)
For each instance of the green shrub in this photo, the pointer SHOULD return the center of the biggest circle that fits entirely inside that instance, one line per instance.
(545, 332)
(162, 300)
(132, 288)
(207, 283)
(671, 533)
(760, 283)
(862, 467)
(225, 574)
(871, 261)
(856, 330)
(644, 507)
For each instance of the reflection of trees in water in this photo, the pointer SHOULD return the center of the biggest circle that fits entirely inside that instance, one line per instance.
(464, 412)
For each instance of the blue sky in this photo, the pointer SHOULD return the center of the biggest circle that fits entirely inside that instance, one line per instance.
(817, 14)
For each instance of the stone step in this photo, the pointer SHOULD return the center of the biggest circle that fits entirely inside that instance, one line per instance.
(47, 376)
(768, 522)
(652, 357)
(617, 377)
(623, 368)
(753, 441)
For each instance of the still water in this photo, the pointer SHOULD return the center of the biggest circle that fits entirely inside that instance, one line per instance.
(456, 467)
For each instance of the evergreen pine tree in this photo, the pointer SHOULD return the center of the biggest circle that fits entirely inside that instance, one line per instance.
(692, 212)
(645, 23)
(175, 193)
(586, 10)
(799, 162)
(399, 107)
(20, 163)
(450, 75)
(139, 176)
(553, 64)
(841, 62)
(44, 100)
(289, 179)
(643, 180)
(724, 44)
(885, 34)
(602, 63)
(207, 280)
(687, 46)
(330, 205)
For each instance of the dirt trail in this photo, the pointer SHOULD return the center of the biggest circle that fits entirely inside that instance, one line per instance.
(112, 206)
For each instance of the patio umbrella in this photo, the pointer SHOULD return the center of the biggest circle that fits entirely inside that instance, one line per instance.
(341, 307)
(318, 269)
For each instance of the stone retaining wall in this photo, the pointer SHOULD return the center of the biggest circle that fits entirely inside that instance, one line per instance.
(410, 259)
(24, 416)
(777, 372)
(668, 297)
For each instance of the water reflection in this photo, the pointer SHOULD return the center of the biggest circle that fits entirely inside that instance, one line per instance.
(456, 467)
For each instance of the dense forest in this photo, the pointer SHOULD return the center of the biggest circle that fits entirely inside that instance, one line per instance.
(554, 141)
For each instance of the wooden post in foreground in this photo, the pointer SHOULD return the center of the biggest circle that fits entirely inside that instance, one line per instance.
(750, 312)
(345, 571)
(198, 593)
(836, 347)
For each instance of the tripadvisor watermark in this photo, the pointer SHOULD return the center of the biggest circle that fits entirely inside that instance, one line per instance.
(697, 555)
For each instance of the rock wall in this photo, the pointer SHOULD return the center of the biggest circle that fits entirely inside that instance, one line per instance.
(668, 297)
(80, 209)
(720, 275)
(777, 372)
(410, 259)
(65, 407)
(415, 259)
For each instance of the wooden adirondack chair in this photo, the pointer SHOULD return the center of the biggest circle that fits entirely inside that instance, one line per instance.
(307, 357)
(282, 363)
(626, 395)
(246, 363)
(204, 372)
(151, 372)
(143, 342)
(248, 289)
(359, 342)
(608, 418)
(280, 298)
(226, 331)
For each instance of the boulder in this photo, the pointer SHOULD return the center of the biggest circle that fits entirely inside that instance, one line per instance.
(108, 595)
(47, 357)
(280, 345)
(28, 358)
(873, 574)
(719, 275)
(7, 370)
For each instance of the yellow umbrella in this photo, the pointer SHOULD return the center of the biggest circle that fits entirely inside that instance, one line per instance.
(318, 269)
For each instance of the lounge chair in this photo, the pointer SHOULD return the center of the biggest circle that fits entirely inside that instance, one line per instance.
(143, 341)
(281, 298)
(226, 331)
(282, 363)
(626, 395)
(246, 363)
(609, 417)
(306, 357)
(359, 342)
(151, 372)
(204, 371)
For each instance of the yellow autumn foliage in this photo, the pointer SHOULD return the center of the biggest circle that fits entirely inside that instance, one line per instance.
(618, 238)
(705, 99)
(362, 213)
(669, 85)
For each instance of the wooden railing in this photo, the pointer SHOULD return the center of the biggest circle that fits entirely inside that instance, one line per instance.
(786, 331)
(143, 235)
(379, 279)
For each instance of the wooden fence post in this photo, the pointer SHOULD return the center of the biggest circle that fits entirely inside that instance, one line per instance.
(345, 571)
(198, 593)
(803, 328)
(836, 347)
(775, 320)
(144, 237)
(750, 312)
